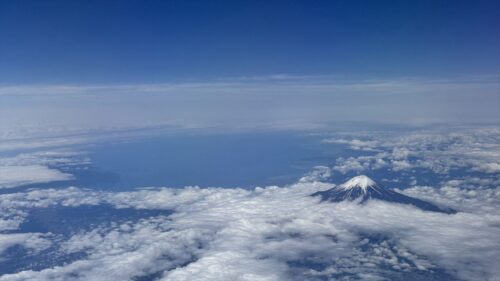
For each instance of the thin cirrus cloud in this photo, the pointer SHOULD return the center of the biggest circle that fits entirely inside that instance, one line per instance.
(279, 101)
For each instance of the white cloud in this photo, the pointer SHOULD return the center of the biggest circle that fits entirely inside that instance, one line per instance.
(472, 149)
(488, 168)
(34, 242)
(286, 102)
(11, 176)
(400, 165)
(280, 233)
(38, 167)
(235, 234)
(355, 144)
(319, 173)
(351, 164)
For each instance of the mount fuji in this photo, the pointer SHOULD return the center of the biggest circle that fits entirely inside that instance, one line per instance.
(363, 189)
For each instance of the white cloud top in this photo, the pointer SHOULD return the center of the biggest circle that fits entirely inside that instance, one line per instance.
(235, 234)
(280, 233)
(11, 176)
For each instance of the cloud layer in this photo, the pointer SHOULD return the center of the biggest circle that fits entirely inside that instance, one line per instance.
(471, 149)
(36, 167)
(275, 233)
(281, 101)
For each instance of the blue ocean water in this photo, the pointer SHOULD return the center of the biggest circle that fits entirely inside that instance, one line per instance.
(228, 160)
(223, 160)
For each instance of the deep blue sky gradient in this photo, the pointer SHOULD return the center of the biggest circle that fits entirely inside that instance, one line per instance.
(158, 41)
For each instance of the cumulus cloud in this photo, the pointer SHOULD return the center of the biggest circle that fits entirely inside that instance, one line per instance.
(398, 165)
(491, 167)
(35, 242)
(272, 233)
(319, 173)
(472, 149)
(281, 233)
(356, 144)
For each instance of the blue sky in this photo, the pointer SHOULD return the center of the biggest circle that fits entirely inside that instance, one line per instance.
(163, 41)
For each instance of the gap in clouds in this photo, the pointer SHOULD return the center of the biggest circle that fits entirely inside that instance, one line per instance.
(232, 159)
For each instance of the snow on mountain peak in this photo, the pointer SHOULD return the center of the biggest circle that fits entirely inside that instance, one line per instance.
(362, 189)
(362, 182)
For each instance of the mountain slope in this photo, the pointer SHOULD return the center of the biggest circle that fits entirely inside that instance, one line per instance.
(362, 189)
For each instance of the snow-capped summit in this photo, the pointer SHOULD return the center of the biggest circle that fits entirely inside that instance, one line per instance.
(362, 182)
(362, 188)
